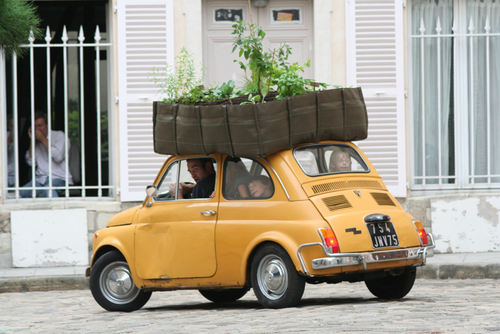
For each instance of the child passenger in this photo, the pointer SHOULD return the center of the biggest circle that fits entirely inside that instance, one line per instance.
(340, 161)
(260, 186)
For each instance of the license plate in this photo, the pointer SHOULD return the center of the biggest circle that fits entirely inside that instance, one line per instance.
(383, 234)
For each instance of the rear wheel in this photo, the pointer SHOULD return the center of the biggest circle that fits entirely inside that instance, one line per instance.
(112, 285)
(224, 295)
(275, 281)
(393, 286)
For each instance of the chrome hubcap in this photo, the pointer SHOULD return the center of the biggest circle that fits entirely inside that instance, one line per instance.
(272, 277)
(117, 284)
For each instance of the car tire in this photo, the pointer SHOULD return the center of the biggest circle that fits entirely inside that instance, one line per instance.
(275, 281)
(112, 285)
(393, 286)
(224, 295)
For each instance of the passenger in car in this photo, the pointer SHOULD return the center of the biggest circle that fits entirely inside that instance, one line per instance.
(260, 186)
(340, 161)
(236, 179)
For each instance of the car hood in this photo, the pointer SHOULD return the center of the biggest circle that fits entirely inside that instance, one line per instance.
(123, 218)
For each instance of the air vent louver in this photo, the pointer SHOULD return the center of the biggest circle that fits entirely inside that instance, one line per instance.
(382, 199)
(336, 202)
(340, 185)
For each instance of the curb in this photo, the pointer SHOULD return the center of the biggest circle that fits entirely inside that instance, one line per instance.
(454, 271)
(44, 283)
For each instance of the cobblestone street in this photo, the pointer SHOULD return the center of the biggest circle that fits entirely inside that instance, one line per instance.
(433, 306)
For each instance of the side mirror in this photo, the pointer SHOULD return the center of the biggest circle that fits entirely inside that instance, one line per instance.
(151, 191)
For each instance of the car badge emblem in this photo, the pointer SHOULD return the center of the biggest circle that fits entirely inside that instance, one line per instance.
(357, 192)
(354, 230)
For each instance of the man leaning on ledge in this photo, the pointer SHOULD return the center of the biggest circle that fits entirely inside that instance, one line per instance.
(58, 154)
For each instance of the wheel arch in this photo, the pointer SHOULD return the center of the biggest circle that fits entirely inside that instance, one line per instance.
(103, 250)
(281, 240)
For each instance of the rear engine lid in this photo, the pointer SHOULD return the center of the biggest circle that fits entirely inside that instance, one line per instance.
(367, 220)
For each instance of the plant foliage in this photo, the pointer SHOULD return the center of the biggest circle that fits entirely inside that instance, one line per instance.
(17, 19)
(265, 71)
(181, 84)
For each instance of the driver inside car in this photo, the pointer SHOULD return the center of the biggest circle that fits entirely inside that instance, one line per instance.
(203, 173)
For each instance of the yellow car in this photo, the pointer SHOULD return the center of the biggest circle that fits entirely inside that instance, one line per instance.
(317, 213)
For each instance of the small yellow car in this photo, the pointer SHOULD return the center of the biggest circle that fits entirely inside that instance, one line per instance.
(317, 213)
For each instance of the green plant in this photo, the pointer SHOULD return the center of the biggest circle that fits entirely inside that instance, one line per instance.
(264, 71)
(181, 84)
(262, 65)
(17, 19)
(290, 84)
(253, 99)
(225, 91)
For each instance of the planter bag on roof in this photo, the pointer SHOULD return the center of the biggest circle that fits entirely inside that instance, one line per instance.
(257, 130)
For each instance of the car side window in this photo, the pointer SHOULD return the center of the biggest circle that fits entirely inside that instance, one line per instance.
(246, 178)
(188, 179)
(169, 177)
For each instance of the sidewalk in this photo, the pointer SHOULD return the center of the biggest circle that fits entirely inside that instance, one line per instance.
(440, 266)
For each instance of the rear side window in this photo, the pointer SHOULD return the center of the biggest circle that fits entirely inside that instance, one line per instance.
(246, 178)
(324, 159)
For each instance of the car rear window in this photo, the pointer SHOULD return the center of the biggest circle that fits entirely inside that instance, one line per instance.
(324, 159)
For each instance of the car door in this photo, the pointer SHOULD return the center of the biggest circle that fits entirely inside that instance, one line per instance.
(175, 237)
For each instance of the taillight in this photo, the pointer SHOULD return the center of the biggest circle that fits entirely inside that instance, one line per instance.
(424, 239)
(330, 240)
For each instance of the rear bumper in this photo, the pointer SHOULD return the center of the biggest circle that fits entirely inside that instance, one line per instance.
(354, 259)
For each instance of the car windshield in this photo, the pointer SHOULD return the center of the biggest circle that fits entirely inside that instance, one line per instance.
(324, 159)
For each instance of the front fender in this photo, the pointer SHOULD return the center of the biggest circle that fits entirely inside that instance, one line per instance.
(120, 238)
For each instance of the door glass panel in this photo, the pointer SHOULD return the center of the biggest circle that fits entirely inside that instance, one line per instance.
(228, 15)
(286, 15)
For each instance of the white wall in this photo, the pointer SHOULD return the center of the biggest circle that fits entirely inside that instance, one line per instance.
(463, 224)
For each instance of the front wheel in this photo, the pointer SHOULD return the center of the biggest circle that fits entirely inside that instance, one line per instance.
(275, 281)
(393, 286)
(224, 295)
(112, 285)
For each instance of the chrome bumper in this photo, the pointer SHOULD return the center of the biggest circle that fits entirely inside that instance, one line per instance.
(354, 259)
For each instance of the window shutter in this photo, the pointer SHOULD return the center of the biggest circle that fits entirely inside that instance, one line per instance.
(145, 41)
(375, 62)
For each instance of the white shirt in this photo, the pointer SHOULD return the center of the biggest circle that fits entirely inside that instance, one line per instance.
(58, 159)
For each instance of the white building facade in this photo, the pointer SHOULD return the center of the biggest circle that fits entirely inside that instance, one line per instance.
(427, 69)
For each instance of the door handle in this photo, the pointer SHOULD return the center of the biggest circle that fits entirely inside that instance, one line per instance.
(208, 213)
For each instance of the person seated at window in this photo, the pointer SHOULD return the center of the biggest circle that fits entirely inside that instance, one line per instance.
(340, 161)
(203, 173)
(58, 157)
(260, 186)
(236, 179)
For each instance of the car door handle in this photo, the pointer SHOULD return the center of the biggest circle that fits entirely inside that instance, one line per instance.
(208, 213)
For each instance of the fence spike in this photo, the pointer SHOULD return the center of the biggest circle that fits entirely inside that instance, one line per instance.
(471, 26)
(422, 26)
(438, 26)
(487, 26)
(81, 37)
(31, 38)
(48, 37)
(454, 26)
(97, 36)
(64, 37)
